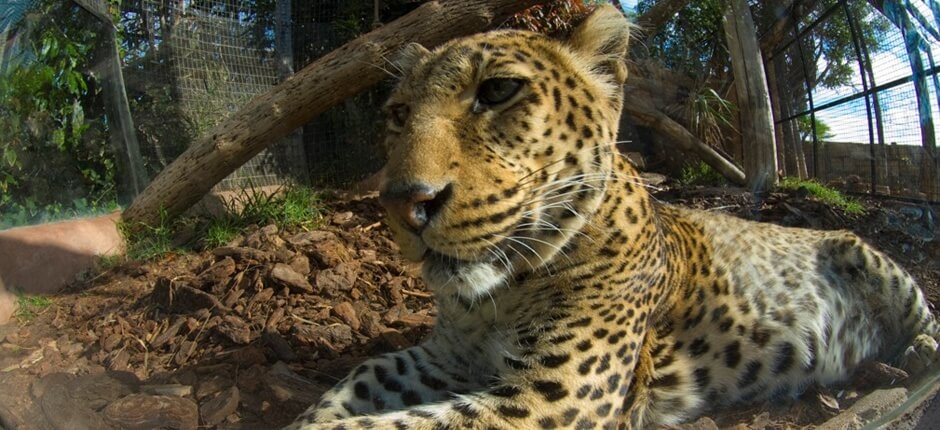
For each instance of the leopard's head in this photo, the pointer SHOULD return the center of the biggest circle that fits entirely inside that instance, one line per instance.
(500, 146)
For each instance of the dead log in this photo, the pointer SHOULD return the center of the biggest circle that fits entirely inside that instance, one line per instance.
(270, 116)
(645, 114)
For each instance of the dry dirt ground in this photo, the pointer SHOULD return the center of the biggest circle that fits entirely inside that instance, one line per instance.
(248, 335)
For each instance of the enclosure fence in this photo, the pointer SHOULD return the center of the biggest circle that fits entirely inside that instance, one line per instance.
(877, 135)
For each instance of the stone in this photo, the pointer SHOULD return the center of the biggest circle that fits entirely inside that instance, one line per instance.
(222, 405)
(212, 385)
(146, 411)
(288, 277)
(329, 253)
(181, 298)
(300, 263)
(286, 385)
(279, 345)
(345, 312)
(335, 337)
(62, 410)
(241, 253)
(220, 272)
(308, 238)
(235, 329)
(339, 278)
(178, 390)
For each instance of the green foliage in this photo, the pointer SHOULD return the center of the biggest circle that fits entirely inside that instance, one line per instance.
(823, 131)
(701, 174)
(825, 194)
(55, 158)
(29, 306)
(708, 115)
(693, 41)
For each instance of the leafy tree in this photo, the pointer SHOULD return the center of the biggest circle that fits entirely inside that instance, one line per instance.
(55, 154)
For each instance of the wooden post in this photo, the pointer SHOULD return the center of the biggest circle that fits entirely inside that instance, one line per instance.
(129, 163)
(344, 72)
(756, 119)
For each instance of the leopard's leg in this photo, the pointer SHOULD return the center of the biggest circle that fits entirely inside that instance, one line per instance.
(910, 330)
(390, 382)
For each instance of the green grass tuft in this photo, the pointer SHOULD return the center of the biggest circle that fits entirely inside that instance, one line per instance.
(825, 194)
(148, 242)
(701, 174)
(28, 307)
(220, 232)
(293, 207)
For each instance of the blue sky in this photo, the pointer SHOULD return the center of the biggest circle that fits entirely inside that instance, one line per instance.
(628, 4)
(849, 122)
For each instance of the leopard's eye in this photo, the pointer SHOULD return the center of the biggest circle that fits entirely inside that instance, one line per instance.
(498, 90)
(399, 114)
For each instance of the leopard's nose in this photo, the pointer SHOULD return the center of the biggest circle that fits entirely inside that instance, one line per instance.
(415, 204)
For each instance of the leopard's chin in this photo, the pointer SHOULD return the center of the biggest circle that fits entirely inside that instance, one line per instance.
(471, 280)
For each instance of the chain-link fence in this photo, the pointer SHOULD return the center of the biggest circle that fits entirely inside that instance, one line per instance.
(877, 134)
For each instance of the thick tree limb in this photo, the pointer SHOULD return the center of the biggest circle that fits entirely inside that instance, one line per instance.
(645, 114)
(345, 72)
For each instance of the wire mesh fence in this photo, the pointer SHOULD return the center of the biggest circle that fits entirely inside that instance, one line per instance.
(877, 133)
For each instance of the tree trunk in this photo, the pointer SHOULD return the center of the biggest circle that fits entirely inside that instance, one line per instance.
(756, 120)
(270, 116)
(645, 114)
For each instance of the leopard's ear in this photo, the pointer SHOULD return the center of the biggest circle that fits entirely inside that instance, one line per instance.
(409, 56)
(603, 39)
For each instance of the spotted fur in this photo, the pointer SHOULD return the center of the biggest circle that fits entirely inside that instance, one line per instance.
(567, 297)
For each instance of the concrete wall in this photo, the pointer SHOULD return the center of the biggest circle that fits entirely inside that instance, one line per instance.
(901, 170)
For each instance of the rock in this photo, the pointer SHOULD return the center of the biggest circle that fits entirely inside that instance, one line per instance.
(288, 277)
(334, 338)
(394, 340)
(704, 423)
(300, 263)
(212, 385)
(235, 329)
(170, 332)
(329, 253)
(231, 298)
(222, 405)
(63, 411)
(870, 374)
(219, 273)
(183, 298)
(109, 343)
(371, 323)
(97, 390)
(286, 385)
(308, 238)
(279, 345)
(345, 312)
(249, 356)
(415, 320)
(242, 253)
(269, 230)
(340, 278)
(866, 409)
(178, 390)
(145, 411)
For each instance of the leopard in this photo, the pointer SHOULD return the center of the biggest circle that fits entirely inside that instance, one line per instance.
(566, 295)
